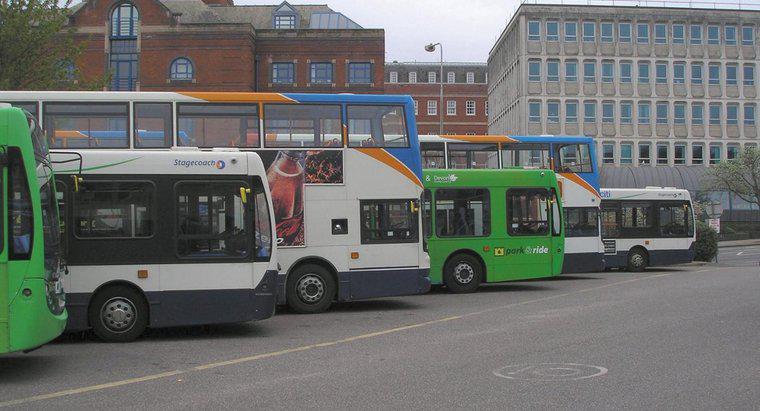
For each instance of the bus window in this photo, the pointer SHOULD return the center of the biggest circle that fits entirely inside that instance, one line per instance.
(87, 125)
(433, 155)
(556, 217)
(153, 125)
(581, 222)
(211, 220)
(114, 209)
(307, 125)
(30, 106)
(527, 212)
(218, 125)
(466, 155)
(388, 221)
(20, 212)
(573, 158)
(525, 155)
(262, 224)
(637, 219)
(610, 226)
(427, 210)
(376, 126)
(462, 213)
(675, 220)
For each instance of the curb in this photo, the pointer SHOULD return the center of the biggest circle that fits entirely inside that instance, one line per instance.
(738, 245)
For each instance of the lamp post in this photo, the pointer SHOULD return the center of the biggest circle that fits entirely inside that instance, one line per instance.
(431, 48)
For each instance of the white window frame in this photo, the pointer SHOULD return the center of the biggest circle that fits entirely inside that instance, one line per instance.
(432, 77)
(470, 77)
(412, 77)
(470, 108)
(451, 107)
(451, 77)
(393, 77)
(432, 107)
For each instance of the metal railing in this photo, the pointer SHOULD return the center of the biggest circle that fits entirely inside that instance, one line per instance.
(686, 4)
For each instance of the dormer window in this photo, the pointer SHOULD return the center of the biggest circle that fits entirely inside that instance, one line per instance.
(286, 21)
(285, 17)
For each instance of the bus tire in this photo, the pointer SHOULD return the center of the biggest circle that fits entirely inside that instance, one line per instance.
(118, 314)
(637, 260)
(310, 289)
(463, 274)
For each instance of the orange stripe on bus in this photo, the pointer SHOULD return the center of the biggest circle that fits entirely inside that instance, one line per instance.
(581, 182)
(385, 157)
(239, 97)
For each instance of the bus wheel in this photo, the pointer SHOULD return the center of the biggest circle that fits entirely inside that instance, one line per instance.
(118, 314)
(463, 274)
(311, 289)
(637, 260)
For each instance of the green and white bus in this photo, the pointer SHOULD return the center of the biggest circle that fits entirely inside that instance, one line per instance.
(485, 226)
(32, 302)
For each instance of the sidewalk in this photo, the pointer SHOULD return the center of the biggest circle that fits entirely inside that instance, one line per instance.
(739, 243)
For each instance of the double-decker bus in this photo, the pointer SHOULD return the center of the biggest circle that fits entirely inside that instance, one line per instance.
(32, 310)
(344, 172)
(653, 226)
(572, 159)
(165, 238)
(484, 226)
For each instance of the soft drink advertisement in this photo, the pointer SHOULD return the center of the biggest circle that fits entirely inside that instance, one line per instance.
(287, 172)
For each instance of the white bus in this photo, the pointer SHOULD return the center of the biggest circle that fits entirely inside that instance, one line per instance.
(653, 226)
(344, 171)
(572, 158)
(165, 238)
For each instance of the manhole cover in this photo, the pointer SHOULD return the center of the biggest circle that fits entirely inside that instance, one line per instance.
(550, 372)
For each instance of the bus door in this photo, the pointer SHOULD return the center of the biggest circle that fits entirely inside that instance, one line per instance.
(531, 247)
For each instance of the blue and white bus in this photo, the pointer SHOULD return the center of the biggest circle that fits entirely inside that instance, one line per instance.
(572, 158)
(344, 173)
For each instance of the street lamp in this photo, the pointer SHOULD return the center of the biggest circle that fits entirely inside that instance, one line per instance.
(431, 48)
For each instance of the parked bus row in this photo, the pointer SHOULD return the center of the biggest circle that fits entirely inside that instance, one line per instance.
(175, 202)
(610, 228)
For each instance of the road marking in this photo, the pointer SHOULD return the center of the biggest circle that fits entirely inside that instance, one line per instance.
(115, 384)
(740, 253)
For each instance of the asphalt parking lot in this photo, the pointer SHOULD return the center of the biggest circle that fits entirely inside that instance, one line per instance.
(683, 337)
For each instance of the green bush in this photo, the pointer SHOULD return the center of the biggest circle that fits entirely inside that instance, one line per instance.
(706, 246)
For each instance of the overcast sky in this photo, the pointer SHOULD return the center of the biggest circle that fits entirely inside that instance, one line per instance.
(466, 28)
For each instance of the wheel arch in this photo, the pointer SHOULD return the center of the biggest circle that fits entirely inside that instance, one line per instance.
(117, 283)
(471, 253)
(320, 261)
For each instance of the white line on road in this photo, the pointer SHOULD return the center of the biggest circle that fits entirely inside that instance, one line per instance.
(130, 381)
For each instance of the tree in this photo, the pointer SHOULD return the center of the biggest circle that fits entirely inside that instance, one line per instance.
(37, 50)
(740, 176)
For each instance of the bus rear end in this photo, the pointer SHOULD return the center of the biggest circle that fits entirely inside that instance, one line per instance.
(32, 302)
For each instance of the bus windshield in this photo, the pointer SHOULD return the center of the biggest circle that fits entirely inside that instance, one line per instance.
(50, 220)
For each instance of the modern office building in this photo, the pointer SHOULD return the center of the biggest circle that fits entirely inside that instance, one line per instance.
(217, 45)
(465, 103)
(652, 85)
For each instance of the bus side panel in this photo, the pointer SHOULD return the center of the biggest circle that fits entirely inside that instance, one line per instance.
(4, 297)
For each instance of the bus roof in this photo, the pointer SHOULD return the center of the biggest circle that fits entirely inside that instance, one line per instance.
(428, 138)
(649, 193)
(197, 162)
(193, 96)
(512, 177)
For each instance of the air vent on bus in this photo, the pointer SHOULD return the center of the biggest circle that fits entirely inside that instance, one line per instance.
(609, 247)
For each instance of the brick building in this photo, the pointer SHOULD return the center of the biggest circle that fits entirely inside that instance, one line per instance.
(465, 95)
(216, 45)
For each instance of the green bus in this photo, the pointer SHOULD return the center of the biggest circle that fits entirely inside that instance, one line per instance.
(486, 226)
(32, 301)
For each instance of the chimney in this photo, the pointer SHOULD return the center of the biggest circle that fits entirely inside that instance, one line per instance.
(219, 2)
